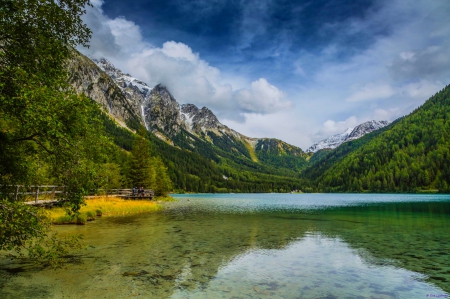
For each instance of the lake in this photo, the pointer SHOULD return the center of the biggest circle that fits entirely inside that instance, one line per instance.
(256, 246)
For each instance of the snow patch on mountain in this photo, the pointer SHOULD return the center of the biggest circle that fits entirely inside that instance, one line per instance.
(330, 142)
(119, 77)
(350, 134)
(367, 127)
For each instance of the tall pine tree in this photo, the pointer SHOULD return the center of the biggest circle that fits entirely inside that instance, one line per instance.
(142, 172)
(163, 184)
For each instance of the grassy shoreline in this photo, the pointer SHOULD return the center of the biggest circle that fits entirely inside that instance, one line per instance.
(104, 206)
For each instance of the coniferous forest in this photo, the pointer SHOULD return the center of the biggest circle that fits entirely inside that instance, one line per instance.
(410, 155)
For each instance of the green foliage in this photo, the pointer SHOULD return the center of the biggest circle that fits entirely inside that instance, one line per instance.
(90, 215)
(19, 223)
(410, 155)
(47, 132)
(110, 177)
(209, 169)
(279, 154)
(162, 184)
(142, 170)
(54, 250)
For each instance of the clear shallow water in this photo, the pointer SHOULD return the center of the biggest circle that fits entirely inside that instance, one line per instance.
(257, 246)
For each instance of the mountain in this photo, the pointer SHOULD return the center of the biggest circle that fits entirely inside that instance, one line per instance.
(201, 153)
(349, 134)
(87, 78)
(330, 142)
(186, 125)
(408, 155)
(365, 128)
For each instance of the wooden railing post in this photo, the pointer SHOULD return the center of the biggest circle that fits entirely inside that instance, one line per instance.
(17, 192)
(37, 194)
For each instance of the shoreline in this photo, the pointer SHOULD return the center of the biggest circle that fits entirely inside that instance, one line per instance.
(104, 207)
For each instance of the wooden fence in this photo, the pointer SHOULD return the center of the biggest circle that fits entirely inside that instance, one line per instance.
(127, 193)
(53, 190)
(38, 190)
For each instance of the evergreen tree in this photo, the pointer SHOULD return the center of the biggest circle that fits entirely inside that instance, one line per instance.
(162, 184)
(142, 171)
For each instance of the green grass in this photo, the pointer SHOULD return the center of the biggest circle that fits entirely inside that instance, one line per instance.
(104, 206)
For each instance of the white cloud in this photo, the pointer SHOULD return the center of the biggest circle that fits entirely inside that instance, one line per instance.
(189, 78)
(372, 91)
(262, 98)
(127, 35)
(277, 125)
(386, 114)
(421, 90)
(97, 3)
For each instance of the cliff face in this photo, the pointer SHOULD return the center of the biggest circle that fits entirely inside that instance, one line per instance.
(135, 91)
(162, 113)
(87, 78)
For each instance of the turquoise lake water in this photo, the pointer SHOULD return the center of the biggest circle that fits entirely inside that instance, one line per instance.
(257, 246)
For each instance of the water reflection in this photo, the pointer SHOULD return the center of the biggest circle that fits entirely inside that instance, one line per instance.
(314, 267)
(248, 248)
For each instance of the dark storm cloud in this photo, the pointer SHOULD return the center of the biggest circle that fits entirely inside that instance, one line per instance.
(250, 29)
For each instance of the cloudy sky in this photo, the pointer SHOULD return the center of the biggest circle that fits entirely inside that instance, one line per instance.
(296, 70)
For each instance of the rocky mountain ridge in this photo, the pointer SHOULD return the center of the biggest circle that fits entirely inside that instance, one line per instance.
(160, 112)
(126, 97)
(183, 125)
(90, 80)
(349, 134)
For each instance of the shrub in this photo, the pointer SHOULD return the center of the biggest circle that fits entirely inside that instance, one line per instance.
(81, 219)
(90, 215)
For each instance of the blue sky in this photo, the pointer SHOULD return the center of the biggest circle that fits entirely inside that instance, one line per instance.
(293, 70)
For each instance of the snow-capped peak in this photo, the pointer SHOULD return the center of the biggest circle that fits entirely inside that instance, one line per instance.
(122, 79)
(330, 142)
(349, 134)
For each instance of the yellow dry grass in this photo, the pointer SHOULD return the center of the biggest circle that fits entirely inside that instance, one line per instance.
(105, 206)
(251, 151)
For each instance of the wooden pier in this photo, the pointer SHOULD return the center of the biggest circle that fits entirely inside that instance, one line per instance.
(148, 194)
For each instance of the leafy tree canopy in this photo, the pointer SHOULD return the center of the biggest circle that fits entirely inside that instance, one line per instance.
(44, 125)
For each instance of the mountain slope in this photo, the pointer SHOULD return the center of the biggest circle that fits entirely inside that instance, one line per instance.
(194, 172)
(201, 154)
(411, 154)
(350, 134)
(279, 153)
(330, 142)
(87, 78)
(198, 129)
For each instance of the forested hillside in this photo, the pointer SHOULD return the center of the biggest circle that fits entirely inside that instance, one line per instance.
(209, 169)
(409, 155)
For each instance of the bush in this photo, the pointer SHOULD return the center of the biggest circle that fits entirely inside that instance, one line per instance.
(66, 219)
(90, 215)
(81, 219)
